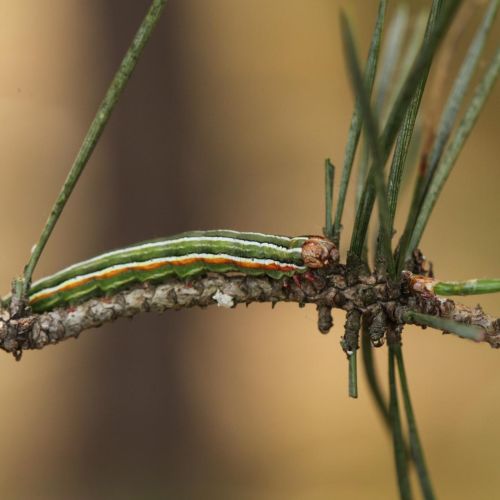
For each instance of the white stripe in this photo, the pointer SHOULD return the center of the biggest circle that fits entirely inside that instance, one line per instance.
(286, 238)
(144, 246)
(159, 260)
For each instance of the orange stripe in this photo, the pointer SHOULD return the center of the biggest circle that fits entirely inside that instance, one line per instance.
(156, 265)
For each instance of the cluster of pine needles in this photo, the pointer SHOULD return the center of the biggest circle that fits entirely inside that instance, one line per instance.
(396, 133)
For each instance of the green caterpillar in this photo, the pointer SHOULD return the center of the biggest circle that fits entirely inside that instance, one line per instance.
(182, 256)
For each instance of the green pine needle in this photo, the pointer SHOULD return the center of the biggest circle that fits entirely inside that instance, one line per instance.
(95, 130)
(375, 178)
(407, 60)
(415, 445)
(400, 108)
(390, 56)
(469, 287)
(353, 375)
(371, 377)
(453, 150)
(435, 35)
(446, 325)
(356, 121)
(397, 433)
(329, 182)
(460, 86)
(447, 122)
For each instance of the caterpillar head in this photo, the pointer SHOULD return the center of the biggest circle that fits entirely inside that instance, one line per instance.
(318, 252)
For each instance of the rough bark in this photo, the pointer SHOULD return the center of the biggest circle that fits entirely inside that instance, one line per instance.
(383, 304)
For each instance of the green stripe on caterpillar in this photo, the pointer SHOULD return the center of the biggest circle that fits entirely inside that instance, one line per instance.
(183, 256)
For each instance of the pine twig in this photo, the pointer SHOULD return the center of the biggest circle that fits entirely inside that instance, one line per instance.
(367, 296)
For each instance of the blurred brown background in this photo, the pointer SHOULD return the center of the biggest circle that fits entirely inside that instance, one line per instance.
(226, 123)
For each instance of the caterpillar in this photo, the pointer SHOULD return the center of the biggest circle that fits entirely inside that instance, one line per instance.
(183, 256)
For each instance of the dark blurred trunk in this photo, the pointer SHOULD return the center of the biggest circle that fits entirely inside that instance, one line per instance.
(139, 416)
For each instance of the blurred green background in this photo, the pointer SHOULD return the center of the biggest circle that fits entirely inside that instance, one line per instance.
(226, 123)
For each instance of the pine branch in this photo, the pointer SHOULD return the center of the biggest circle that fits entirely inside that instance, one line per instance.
(368, 296)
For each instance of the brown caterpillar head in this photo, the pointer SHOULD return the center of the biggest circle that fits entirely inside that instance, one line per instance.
(318, 252)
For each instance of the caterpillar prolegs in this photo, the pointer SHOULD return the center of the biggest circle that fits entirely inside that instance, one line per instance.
(183, 256)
